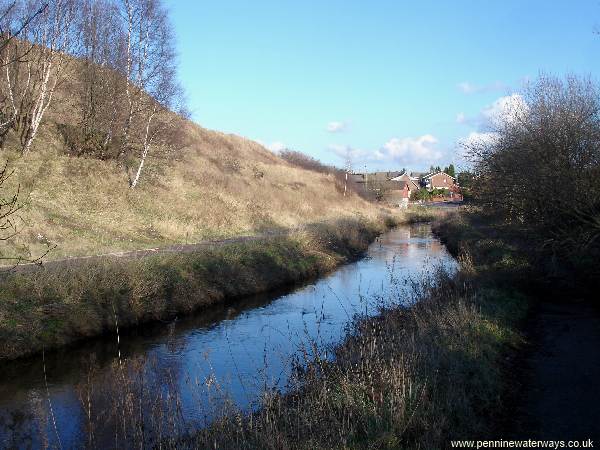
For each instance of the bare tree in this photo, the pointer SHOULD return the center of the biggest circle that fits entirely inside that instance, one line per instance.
(13, 53)
(125, 77)
(150, 70)
(10, 205)
(52, 37)
(101, 51)
(539, 167)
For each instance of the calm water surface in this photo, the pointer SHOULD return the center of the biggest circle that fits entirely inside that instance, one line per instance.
(227, 354)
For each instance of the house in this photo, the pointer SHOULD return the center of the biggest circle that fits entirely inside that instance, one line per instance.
(410, 182)
(438, 180)
(395, 187)
(376, 185)
(374, 177)
(442, 181)
(416, 176)
(396, 194)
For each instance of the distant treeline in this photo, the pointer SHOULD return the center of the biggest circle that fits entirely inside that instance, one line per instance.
(304, 161)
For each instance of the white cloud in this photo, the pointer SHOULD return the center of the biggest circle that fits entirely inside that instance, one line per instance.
(503, 110)
(469, 88)
(409, 150)
(336, 127)
(469, 145)
(476, 138)
(420, 151)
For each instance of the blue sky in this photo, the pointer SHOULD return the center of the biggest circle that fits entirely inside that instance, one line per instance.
(393, 83)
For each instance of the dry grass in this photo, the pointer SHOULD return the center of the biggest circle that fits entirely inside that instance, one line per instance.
(408, 378)
(420, 214)
(218, 186)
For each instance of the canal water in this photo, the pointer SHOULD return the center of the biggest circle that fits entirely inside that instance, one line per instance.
(177, 376)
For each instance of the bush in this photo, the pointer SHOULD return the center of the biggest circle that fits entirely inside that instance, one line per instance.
(426, 195)
(92, 143)
(299, 159)
(539, 168)
(421, 194)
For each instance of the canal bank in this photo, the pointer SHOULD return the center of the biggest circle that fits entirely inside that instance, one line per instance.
(211, 363)
(51, 306)
(61, 302)
(414, 376)
(549, 387)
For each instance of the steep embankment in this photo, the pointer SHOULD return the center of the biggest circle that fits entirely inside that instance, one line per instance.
(216, 186)
(206, 185)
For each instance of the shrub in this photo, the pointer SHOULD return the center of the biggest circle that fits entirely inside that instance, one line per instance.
(306, 162)
(539, 168)
(92, 143)
(421, 194)
(299, 159)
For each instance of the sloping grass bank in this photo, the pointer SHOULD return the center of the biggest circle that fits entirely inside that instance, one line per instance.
(53, 306)
(409, 378)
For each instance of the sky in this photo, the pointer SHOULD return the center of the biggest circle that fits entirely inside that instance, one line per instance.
(392, 84)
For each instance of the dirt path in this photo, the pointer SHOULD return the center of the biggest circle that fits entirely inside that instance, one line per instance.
(177, 248)
(560, 395)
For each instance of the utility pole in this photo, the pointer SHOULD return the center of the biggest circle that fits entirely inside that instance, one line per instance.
(346, 183)
(348, 164)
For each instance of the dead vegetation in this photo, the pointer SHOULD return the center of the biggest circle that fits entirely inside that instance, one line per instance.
(538, 174)
(81, 206)
(409, 378)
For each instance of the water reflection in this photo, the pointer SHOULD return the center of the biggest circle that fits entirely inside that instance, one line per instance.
(179, 375)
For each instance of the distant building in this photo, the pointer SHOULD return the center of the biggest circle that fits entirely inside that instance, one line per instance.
(395, 188)
(410, 182)
(416, 176)
(438, 180)
(374, 177)
(376, 185)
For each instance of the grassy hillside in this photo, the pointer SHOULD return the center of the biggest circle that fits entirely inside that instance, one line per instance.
(218, 185)
(196, 185)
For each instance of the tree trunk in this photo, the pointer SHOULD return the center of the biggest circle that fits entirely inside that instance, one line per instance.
(147, 142)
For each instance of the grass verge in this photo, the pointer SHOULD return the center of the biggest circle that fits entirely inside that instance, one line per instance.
(59, 304)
